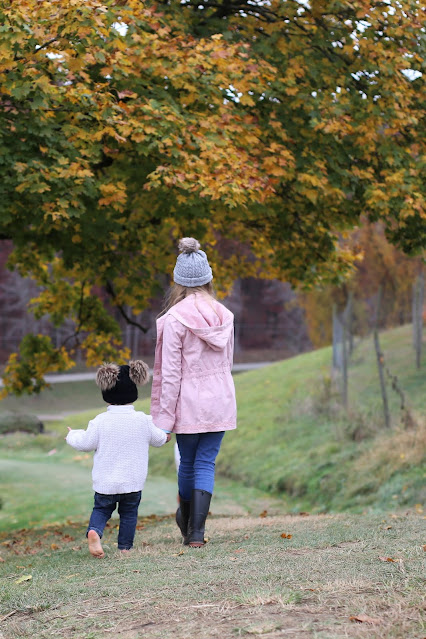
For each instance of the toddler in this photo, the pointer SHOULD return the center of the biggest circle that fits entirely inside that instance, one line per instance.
(120, 437)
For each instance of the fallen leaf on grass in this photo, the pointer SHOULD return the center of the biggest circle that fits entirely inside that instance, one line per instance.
(263, 513)
(388, 527)
(2, 560)
(54, 546)
(76, 548)
(23, 578)
(303, 514)
(424, 548)
(390, 559)
(285, 536)
(364, 619)
(52, 452)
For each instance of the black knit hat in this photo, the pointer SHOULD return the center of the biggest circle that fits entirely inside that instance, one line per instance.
(118, 383)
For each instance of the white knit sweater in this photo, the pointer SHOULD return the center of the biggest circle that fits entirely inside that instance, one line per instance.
(120, 438)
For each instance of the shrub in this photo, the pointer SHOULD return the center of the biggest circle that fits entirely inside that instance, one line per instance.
(13, 422)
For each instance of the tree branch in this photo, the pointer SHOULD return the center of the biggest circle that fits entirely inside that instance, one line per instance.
(110, 290)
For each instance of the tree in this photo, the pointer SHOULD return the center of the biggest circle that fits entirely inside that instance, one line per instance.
(125, 125)
(381, 266)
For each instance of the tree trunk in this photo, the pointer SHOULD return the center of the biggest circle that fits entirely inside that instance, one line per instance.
(345, 361)
(350, 321)
(380, 362)
(418, 297)
(337, 340)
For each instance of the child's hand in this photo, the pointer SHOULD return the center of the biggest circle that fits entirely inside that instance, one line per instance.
(69, 429)
(169, 436)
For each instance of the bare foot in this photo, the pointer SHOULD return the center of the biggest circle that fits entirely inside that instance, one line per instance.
(125, 551)
(95, 546)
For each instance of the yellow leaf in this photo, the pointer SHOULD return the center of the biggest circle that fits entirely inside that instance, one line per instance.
(23, 578)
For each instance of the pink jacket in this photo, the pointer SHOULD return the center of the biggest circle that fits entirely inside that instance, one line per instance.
(192, 389)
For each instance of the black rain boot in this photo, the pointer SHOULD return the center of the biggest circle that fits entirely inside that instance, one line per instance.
(182, 518)
(200, 504)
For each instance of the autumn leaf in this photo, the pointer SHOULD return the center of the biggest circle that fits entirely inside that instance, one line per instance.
(23, 578)
(389, 559)
(285, 536)
(263, 514)
(364, 619)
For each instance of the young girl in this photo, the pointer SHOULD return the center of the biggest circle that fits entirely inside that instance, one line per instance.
(193, 392)
(121, 438)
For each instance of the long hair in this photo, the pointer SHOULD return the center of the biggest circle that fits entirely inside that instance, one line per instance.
(177, 293)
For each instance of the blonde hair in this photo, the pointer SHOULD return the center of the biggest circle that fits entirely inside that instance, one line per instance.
(177, 293)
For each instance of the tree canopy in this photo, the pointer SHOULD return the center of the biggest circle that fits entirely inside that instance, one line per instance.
(264, 130)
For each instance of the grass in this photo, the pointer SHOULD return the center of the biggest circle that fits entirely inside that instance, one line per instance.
(314, 456)
(45, 481)
(247, 581)
(66, 397)
(308, 449)
(332, 576)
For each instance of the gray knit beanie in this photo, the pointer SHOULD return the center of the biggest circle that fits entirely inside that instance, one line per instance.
(192, 267)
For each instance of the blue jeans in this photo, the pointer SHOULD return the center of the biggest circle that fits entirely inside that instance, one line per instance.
(105, 505)
(198, 454)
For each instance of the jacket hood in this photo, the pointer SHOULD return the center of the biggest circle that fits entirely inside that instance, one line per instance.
(207, 319)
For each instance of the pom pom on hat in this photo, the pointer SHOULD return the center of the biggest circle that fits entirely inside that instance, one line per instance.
(189, 245)
(107, 375)
(139, 372)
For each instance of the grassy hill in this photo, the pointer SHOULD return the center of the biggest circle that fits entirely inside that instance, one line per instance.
(296, 440)
(323, 576)
(293, 441)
